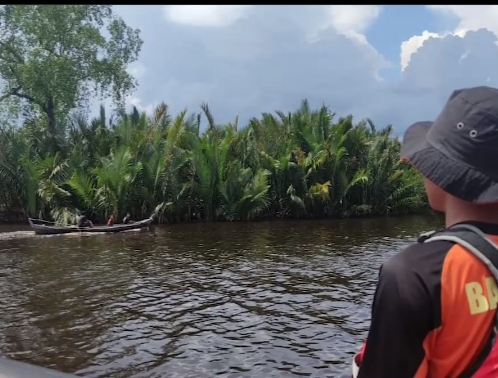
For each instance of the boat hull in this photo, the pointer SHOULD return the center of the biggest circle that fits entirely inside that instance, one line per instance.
(17, 369)
(47, 229)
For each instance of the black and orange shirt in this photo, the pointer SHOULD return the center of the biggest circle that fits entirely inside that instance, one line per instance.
(432, 312)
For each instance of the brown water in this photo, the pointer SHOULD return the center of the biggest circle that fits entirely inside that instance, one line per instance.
(279, 299)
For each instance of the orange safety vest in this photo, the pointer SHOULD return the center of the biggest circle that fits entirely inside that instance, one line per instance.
(478, 243)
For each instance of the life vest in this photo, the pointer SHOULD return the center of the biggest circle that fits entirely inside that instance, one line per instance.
(478, 243)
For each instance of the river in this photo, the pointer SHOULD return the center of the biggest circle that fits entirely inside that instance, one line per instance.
(271, 299)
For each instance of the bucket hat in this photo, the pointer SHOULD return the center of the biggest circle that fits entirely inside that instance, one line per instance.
(459, 150)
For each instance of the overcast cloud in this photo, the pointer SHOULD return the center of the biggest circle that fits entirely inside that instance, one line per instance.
(247, 60)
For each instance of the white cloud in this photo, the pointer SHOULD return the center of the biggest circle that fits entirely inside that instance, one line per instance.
(205, 15)
(137, 69)
(130, 101)
(411, 46)
(471, 17)
(444, 64)
(353, 20)
(263, 60)
(137, 102)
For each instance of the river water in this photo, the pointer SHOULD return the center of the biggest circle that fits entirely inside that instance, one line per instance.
(271, 299)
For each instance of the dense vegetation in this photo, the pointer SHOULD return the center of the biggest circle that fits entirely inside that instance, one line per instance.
(285, 165)
(53, 162)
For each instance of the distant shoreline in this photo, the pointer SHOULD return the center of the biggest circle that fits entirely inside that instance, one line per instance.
(5, 221)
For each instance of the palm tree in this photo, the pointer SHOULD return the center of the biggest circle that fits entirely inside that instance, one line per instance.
(298, 164)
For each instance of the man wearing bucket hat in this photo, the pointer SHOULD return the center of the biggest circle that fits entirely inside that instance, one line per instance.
(434, 309)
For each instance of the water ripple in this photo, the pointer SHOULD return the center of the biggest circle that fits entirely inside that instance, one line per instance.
(276, 299)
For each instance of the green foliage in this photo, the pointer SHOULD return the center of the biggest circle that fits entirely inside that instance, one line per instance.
(54, 58)
(297, 165)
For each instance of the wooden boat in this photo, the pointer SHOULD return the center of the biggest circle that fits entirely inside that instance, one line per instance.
(42, 227)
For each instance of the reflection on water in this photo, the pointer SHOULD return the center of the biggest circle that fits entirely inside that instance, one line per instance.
(277, 299)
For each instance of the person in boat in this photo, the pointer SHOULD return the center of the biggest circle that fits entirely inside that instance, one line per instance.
(434, 308)
(127, 219)
(110, 221)
(82, 221)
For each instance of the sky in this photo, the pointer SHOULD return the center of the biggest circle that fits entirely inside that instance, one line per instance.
(393, 64)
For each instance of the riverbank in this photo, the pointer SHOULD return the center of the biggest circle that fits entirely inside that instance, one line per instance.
(21, 221)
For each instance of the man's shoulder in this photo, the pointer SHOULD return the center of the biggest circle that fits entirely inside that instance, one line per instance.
(411, 279)
(419, 259)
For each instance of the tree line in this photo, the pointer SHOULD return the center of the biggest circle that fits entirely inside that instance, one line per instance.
(300, 165)
(54, 162)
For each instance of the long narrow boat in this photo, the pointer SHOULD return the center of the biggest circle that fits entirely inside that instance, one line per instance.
(42, 227)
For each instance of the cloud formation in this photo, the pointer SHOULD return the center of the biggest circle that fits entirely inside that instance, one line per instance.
(470, 18)
(249, 59)
(352, 20)
(205, 15)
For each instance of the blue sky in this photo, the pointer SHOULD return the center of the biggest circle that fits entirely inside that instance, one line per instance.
(394, 64)
(398, 23)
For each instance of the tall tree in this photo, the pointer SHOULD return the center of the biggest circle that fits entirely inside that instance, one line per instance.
(54, 58)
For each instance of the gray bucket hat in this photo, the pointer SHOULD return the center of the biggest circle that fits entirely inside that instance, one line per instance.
(459, 150)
